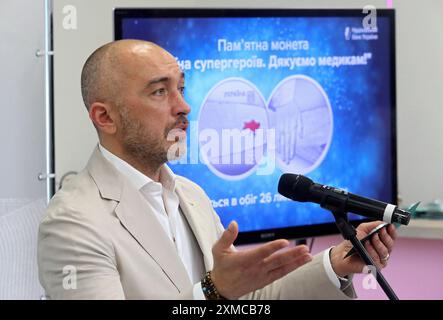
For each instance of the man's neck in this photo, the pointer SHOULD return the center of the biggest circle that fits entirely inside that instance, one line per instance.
(150, 170)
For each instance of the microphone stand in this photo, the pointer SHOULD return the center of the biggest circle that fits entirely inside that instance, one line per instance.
(349, 233)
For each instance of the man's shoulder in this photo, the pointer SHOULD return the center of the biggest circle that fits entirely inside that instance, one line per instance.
(78, 197)
(189, 185)
(192, 190)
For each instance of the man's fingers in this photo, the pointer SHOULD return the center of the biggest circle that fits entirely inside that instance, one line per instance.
(387, 240)
(392, 232)
(279, 259)
(264, 251)
(374, 255)
(285, 269)
(380, 248)
(368, 227)
(228, 237)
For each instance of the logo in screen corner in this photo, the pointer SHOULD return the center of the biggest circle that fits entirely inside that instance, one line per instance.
(348, 33)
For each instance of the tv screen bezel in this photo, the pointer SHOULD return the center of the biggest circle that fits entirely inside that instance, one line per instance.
(290, 232)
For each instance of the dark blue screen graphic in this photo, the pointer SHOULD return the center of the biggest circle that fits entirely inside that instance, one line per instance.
(313, 94)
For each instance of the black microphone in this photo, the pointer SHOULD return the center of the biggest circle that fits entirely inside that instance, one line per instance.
(303, 189)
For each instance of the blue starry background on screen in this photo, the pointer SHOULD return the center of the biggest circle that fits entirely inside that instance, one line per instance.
(359, 158)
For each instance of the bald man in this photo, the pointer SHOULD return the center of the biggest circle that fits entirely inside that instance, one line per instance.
(126, 227)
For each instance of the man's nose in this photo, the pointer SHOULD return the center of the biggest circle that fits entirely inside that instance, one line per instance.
(180, 105)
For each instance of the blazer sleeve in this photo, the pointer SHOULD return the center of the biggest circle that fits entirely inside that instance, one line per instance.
(309, 282)
(75, 260)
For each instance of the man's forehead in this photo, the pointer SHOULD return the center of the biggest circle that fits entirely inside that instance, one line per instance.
(148, 59)
(165, 78)
(165, 65)
(150, 51)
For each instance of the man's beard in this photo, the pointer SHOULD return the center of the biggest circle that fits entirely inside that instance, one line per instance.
(144, 146)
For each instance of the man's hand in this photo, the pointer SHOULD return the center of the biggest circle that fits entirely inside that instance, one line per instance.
(236, 273)
(379, 248)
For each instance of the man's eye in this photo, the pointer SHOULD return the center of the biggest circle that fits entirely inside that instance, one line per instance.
(159, 92)
(182, 90)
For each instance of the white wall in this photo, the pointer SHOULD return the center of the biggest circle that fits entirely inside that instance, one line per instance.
(419, 101)
(22, 133)
(419, 44)
(22, 104)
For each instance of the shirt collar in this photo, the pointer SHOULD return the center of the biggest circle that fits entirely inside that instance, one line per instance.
(138, 179)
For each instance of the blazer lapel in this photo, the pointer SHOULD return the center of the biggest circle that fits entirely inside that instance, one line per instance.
(138, 220)
(198, 224)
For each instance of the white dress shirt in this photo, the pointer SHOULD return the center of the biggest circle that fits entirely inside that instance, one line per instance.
(164, 202)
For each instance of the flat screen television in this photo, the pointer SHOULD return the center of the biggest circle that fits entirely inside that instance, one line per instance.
(274, 91)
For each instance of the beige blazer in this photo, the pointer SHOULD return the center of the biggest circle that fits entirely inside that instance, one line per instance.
(98, 240)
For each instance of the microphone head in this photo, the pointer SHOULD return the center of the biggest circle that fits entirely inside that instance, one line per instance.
(295, 187)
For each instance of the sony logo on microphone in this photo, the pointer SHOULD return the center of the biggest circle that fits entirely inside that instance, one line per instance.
(336, 190)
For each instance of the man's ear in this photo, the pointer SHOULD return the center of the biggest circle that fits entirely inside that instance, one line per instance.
(103, 117)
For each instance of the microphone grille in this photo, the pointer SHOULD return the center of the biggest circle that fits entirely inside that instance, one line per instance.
(295, 187)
